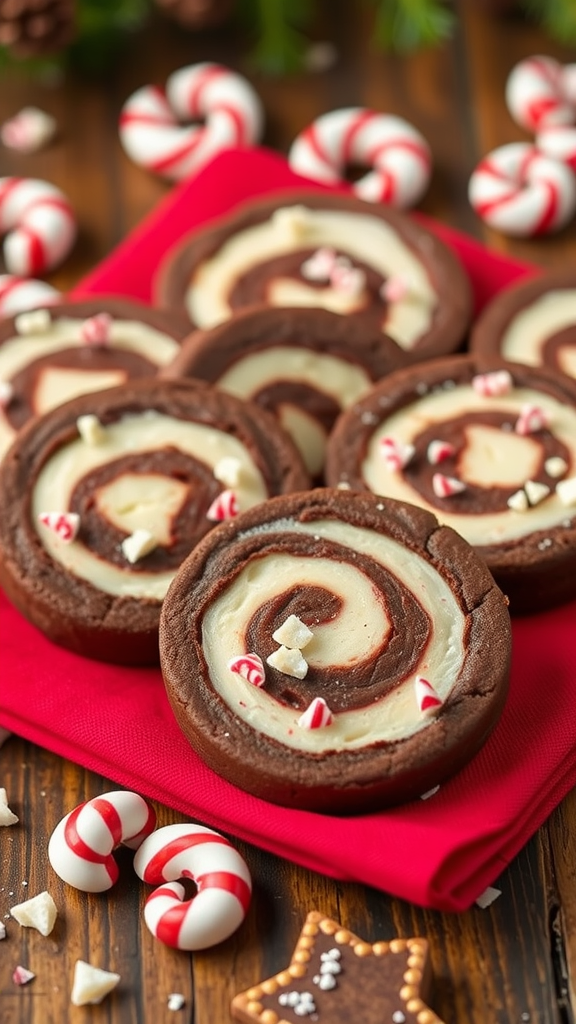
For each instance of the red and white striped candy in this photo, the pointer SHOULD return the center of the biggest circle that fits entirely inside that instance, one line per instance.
(250, 667)
(347, 279)
(396, 455)
(21, 975)
(426, 697)
(531, 419)
(559, 143)
(19, 294)
(319, 266)
(221, 877)
(397, 153)
(225, 506)
(39, 225)
(28, 130)
(96, 330)
(445, 486)
(499, 382)
(317, 715)
(225, 103)
(540, 92)
(64, 524)
(394, 289)
(81, 846)
(519, 191)
(437, 451)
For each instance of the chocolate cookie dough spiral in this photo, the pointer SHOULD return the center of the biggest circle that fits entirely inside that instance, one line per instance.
(367, 620)
(102, 498)
(490, 448)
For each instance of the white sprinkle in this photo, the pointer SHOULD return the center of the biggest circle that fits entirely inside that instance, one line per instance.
(176, 1001)
(525, 1016)
(487, 897)
(325, 981)
(330, 967)
(368, 418)
(429, 793)
(535, 491)
(90, 429)
(138, 544)
(343, 486)
(556, 466)
(398, 1017)
(546, 543)
(380, 507)
(24, 883)
(37, 321)
(566, 491)
(331, 954)
(290, 662)
(293, 633)
(421, 388)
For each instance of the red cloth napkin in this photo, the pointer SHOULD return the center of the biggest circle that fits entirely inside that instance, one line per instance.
(440, 852)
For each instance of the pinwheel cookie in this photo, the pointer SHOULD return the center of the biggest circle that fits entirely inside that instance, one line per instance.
(102, 498)
(366, 261)
(327, 650)
(490, 448)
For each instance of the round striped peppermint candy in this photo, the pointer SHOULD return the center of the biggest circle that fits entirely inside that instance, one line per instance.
(540, 92)
(39, 225)
(219, 872)
(20, 294)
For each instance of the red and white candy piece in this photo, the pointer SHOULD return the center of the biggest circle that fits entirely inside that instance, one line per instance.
(81, 846)
(219, 873)
(319, 266)
(317, 715)
(446, 486)
(21, 975)
(395, 453)
(438, 451)
(559, 143)
(521, 192)
(531, 419)
(498, 382)
(64, 524)
(426, 697)
(225, 103)
(19, 294)
(250, 667)
(39, 225)
(541, 92)
(225, 506)
(395, 289)
(28, 130)
(398, 155)
(97, 330)
(345, 278)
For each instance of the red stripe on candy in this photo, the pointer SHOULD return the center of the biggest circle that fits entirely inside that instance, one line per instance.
(228, 881)
(154, 871)
(359, 122)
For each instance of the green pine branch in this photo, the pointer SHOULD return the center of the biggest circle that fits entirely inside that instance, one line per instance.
(402, 26)
(556, 17)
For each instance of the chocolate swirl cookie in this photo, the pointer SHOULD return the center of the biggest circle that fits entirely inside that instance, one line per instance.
(363, 260)
(52, 354)
(490, 448)
(327, 650)
(102, 498)
(532, 322)
(304, 365)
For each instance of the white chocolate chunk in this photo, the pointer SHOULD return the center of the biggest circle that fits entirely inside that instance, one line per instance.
(293, 633)
(487, 897)
(6, 393)
(566, 491)
(556, 466)
(138, 544)
(292, 221)
(291, 663)
(34, 322)
(90, 429)
(40, 913)
(535, 491)
(228, 471)
(91, 984)
(518, 501)
(176, 1001)
(2, 930)
(7, 817)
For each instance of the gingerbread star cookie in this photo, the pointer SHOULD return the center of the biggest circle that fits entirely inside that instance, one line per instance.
(335, 977)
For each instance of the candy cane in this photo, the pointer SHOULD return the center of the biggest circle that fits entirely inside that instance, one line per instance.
(517, 190)
(397, 153)
(541, 92)
(81, 845)
(219, 872)
(39, 225)
(225, 506)
(19, 294)
(227, 104)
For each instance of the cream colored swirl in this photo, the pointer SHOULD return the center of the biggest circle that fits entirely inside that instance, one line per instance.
(363, 627)
(525, 338)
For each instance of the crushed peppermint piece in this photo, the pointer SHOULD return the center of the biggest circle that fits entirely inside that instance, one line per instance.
(176, 1001)
(90, 429)
(347, 279)
(138, 545)
(316, 716)
(487, 897)
(2, 930)
(499, 382)
(394, 289)
(566, 491)
(29, 130)
(250, 667)
(395, 453)
(64, 524)
(531, 419)
(7, 817)
(437, 451)
(446, 486)
(518, 501)
(426, 697)
(40, 913)
(535, 491)
(21, 975)
(6, 393)
(225, 506)
(293, 633)
(91, 984)
(290, 662)
(555, 466)
(320, 265)
(97, 330)
(429, 793)
(228, 471)
(36, 321)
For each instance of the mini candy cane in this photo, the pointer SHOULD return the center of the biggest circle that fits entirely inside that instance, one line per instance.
(518, 190)
(96, 330)
(317, 715)
(540, 92)
(445, 486)
(499, 382)
(396, 455)
(64, 524)
(559, 143)
(81, 845)
(426, 697)
(397, 153)
(225, 506)
(224, 100)
(219, 872)
(250, 667)
(39, 223)
(19, 294)
(437, 451)
(531, 419)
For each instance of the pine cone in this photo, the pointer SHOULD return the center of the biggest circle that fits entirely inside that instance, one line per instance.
(37, 28)
(197, 14)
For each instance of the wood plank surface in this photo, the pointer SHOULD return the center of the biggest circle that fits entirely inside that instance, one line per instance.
(513, 963)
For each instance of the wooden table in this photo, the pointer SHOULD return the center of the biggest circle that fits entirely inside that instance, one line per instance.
(513, 962)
